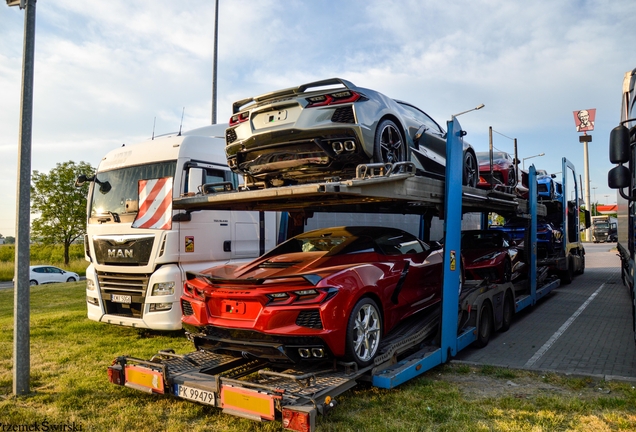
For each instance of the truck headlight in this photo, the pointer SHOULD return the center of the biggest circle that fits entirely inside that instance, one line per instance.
(163, 288)
(90, 284)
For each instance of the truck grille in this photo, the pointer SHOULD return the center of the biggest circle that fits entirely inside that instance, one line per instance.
(123, 250)
(123, 284)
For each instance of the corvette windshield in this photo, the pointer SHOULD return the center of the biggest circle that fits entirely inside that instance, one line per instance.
(112, 189)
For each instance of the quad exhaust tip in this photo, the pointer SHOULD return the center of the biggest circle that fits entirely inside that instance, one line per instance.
(306, 353)
(318, 352)
(348, 146)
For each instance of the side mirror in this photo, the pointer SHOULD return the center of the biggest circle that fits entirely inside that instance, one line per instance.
(588, 219)
(81, 179)
(619, 145)
(619, 177)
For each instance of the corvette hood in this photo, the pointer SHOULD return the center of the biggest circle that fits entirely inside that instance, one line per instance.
(279, 267)
(476, 255)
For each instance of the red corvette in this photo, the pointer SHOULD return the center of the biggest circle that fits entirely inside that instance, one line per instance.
(503, 171)
(328, 293)
(491, 255)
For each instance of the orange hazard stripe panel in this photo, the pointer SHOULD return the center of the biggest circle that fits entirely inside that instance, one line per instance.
(145, 377)
(248, 401)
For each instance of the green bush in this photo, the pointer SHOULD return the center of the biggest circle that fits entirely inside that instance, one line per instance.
(51, 254)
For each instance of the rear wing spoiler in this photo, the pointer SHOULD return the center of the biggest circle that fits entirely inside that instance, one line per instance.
(311, 278)
(293, 91)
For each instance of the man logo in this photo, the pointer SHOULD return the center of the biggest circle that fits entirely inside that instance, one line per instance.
(120, 253)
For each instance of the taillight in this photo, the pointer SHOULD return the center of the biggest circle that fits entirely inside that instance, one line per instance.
(193, 291)
(239, 118)
(116, 374)
(336, 98)
(300, 419)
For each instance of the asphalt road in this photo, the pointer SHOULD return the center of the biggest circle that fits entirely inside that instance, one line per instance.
(583, 328)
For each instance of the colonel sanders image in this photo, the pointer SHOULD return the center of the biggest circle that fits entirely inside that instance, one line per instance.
(584, 120)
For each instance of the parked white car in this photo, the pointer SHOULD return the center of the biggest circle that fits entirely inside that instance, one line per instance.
(43, 274)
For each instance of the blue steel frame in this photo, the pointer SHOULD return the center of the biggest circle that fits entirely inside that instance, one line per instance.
(419, 363)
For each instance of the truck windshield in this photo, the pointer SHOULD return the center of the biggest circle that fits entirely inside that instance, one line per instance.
(601, 225)
(112, 189)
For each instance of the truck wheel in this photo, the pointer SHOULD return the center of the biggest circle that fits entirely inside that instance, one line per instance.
(567, 276)
(582, 269)
(484, 329)
(508, 312)
(363, 332)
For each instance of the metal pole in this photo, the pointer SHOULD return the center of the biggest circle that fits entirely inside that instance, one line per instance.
(588, 232)
(21, 311)
(492, 175)
(214, 61)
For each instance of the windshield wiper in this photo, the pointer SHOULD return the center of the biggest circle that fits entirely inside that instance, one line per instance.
(114, 215)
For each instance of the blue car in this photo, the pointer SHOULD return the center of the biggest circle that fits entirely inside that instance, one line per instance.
(548, 188)
(549, 237)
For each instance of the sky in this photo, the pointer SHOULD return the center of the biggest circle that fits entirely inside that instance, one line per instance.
(107, 71)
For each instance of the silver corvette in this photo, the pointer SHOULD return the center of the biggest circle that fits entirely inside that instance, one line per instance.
(324, 129)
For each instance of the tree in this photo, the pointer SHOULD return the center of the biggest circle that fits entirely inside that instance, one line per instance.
(61, 206)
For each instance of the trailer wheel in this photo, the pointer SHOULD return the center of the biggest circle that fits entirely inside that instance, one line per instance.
(364, 331)
(508, 312)
(389, 145)
(484, 330)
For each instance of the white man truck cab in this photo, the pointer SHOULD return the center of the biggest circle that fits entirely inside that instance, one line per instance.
(139, 249)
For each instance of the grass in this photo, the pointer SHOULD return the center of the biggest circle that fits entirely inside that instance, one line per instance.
(70, 354)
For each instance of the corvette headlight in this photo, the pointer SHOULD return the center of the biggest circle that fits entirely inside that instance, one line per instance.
(163, 288)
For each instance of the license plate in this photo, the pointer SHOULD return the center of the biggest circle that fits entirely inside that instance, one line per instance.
(196, 395)
(118, 298)
(275, 116)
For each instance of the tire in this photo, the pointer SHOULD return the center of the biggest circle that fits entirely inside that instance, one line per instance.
(582, 269)
(508, 312)
(71, 279)
(389, 145)
(471, 169)
(364, 332)
(33, 282)
(567, 276)
(512, 180)
(507, 272)
(484, 329)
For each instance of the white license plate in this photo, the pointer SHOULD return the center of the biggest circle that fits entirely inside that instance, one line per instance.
(196, 395)
(118, 298)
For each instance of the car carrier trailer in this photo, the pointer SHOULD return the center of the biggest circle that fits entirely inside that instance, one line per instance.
(259, 390)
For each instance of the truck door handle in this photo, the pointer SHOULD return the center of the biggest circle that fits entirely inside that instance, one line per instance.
(227, 246)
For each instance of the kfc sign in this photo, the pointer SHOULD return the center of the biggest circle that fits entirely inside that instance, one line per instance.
(584, 120)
